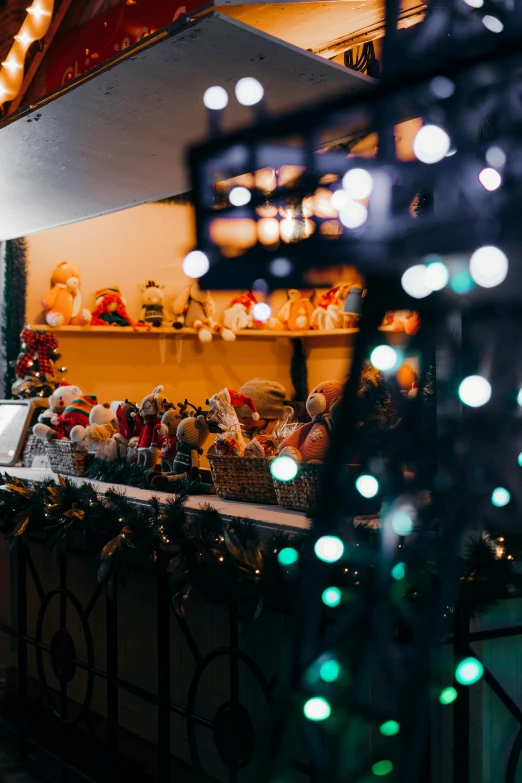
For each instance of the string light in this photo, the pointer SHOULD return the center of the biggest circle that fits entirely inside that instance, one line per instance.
(496, 156)
(353, 215)
(329, 670)
(488, 266)
(402, 523)
(500, 497)
(37, 11)
(389, 728)
(414, 283)
(261, 311)
(11, 65)
(283, 468)
(448, 695)
(398, 571)
(331, 596)
(490, 179)
(381, 768)
(317, 709)
(358, 183)
(329, 549)
(384, 358)
(469, 671)
(492, 23)
(249, 91)
(474, 3)
(24, 39)
(519, 459)
(239, 196)
(280, 267)
(367, 486)
(215, 98)
(288, 556)
(431, 144)
(195, 264)
(340, 200)
(475, 391)
(436, 276)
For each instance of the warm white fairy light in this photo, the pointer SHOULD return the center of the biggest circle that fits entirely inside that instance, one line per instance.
(488, 266)
(490, 179)
(495, 156)
(280, 267)
(340, 200)
(431, 144)
(354, 215)
(414, 283)
(475, 391)
(384, 357)
(195, 264)
(239, 196)
(37, 11)
(261, 311)
(492, 23)
(436, 276)
(358, 183)
(249, 91)
(11, 65)
(215, 98)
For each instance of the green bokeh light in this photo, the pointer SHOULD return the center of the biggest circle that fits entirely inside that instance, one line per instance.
(383, 767)
(332, 596)
(519, 397)
(520, 459)
(390, 728)
(461, 282)
(500, 497)
(367, 485)
(283, 468)
(329, 549)
(317, 708)
(288, 556)
(398, 571)
(402, 523)
(448, 695)
(330, 670)
(469, 671)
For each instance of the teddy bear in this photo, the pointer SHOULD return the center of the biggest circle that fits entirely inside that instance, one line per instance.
(53, 423)
(152, 304)
(196, 308)
(63, 303)
(103, 424)
(192, 432)
(309, 442)
(296, 313)
(239, 315)
(129, 428)
(151, 406)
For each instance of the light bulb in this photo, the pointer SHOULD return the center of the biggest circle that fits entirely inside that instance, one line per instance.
(492, 23)
(340, 200)
(261, 311)
(23, 39)
(268, 231)
(280, 267)
(12, 65)
(500, 497)
(389, 728)
(436, 276)
(381, 768)
(195, 264)
(329, 549)
(442, 87)
(384, 357)
(414, 283)
(329, 670)
(519, 397)
(367, 486)
(249, 91)
(358, 183)
(283, 468)
(402, 523)
(488, 266)
(331, 596)
(496, 157)
(215, 98)
(353, 215)
(519, 459)
(288, 556)
(475, 391)
(448, 695)
(37, 12)
(239, 196)
(431, 144)
(474, 3)
(469, 671)
(490, 179)
(398, 571)
(317, 709)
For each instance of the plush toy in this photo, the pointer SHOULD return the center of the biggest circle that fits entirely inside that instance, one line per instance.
(328, 313)
(165, 437)
(239, 314)
(309, 442)
(129, 428)
(36, 374)
(151, 406)
(196, 308)
(63, 303)
(352, 307)
(296, 313)
(67, 407)
(191, 433)
(223, 406)
(103, 424)
(406, 321)
(110, 309)
(152, 304)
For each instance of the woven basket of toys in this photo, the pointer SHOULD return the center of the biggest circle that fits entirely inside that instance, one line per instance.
(242, 478)
(66, 457)
(301, 492)
(34, 447)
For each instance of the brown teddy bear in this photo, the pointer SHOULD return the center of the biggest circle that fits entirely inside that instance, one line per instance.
(191, 433)
(309, 442)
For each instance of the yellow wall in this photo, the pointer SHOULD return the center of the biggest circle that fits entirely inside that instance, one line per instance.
(126, 249)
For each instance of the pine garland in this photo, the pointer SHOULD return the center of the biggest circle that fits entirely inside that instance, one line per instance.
(15, 292)
(225, 560)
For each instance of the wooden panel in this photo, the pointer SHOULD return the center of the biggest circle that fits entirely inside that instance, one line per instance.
(119, 138)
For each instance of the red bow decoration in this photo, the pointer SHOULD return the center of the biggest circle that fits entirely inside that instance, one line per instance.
(38, 346)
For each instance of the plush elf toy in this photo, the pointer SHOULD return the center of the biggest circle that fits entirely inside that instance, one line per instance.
(110, 309)
(150, 407)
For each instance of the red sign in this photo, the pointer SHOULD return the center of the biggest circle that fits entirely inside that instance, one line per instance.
(85, 47)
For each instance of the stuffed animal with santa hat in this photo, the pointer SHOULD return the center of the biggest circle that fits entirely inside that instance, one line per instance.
(240, 313)
(52, 424)
(150, 409)
(223, 406)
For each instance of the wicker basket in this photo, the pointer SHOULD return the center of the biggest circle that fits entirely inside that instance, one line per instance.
(66, 457)
(34, 447)
(243, 478)
(300, 493)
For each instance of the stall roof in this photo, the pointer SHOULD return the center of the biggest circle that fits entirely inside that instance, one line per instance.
(118, 138)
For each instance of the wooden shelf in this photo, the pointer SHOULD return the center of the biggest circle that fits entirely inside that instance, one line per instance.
(170, 332)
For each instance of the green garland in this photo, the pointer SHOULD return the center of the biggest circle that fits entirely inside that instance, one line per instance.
(15, 291)
(226, 560)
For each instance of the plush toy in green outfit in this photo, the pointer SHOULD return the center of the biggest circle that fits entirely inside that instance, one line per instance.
(192, 433)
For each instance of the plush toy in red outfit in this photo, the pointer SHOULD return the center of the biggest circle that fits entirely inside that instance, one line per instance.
(49, 423)
(110, 309)
(309, 442)
(165, 437)
(239, 314)
(151, 406)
